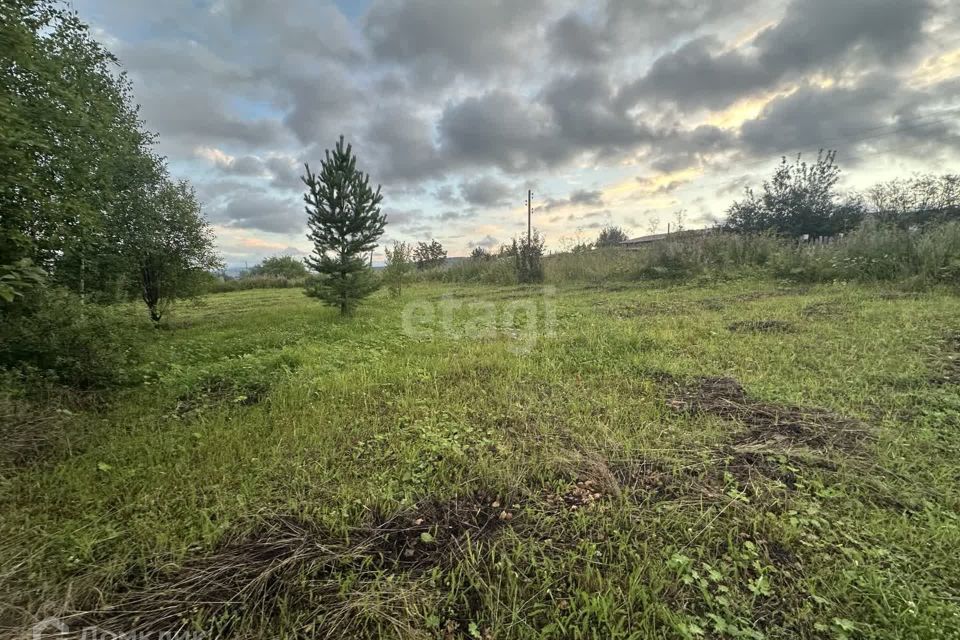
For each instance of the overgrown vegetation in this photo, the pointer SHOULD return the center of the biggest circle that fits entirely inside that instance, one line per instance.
(88, 212)
(429, 255)
(399, 265)
(800, 199)
(725, 434)
(644, 470)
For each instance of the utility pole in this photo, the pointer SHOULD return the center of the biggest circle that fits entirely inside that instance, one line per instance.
(529, 213)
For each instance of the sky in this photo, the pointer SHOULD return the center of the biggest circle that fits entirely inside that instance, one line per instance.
(614, 112)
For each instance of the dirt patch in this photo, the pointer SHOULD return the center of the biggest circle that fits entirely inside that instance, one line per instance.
(582, 494)
(588, 482)
(433, 531)
(752, 464)
(649, 480)
(288, 564)
(761, 326)
(781, 425)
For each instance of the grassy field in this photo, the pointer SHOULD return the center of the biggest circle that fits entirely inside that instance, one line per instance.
(737, 460)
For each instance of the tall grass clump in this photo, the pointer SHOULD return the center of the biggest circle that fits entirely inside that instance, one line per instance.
(878, 251)
(498, 270)
(247, 283)
(685, 256)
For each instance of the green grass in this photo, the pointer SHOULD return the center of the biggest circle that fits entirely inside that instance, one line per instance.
(352, 480)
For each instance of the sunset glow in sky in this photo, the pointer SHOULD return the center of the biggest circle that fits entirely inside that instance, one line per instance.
(613, 112)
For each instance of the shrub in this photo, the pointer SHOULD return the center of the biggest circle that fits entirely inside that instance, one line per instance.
(246, 283)
(280, 267)
(51, 336)
(498, 270)
(429, 255)
(399, 264)
(528, 258)
(880, 252)
(611, 237)
(800, 199)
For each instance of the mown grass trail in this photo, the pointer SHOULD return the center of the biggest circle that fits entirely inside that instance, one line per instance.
(648, 462)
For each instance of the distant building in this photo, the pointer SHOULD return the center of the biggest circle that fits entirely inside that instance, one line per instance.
(636, 243)
(633, 243)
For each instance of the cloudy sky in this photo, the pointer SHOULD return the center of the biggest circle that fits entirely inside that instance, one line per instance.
(613, 111)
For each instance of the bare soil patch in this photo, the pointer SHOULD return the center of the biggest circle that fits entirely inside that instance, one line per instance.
(286, 562)
(769, 423)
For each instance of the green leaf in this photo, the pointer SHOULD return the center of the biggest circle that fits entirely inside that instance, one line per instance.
(846, 625)
(426, 538)
(473, 630)
(103, 466)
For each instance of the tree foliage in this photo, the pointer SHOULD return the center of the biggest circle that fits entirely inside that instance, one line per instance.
(280, 267)
(480, 253)
(171, 247)
(345, 221)
(399, 264)
(429, 255)
(70, 132)
(611, 237)
(528, 257)
(82, 194)
(800, 199)
(918, 200)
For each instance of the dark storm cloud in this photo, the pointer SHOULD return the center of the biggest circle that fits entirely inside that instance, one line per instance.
(400, 143)
(584, 110)
(499, 128)
(814, 116)
(818, 33)
(404, 218)
(622, 27)
(876, 113)
(485, 192)
(584, 197)
(813, 35)
(262, 211)
(698, 74)
(441, 40)
(574, 115)
(574, 38)
(580, 197)
(682, 148)
(320, 102)
(447, 102)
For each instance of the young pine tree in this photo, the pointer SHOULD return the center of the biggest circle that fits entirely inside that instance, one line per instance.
(343, 214)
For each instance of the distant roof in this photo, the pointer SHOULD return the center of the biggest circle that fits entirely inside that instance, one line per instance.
(642, 239)
(663, 236)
